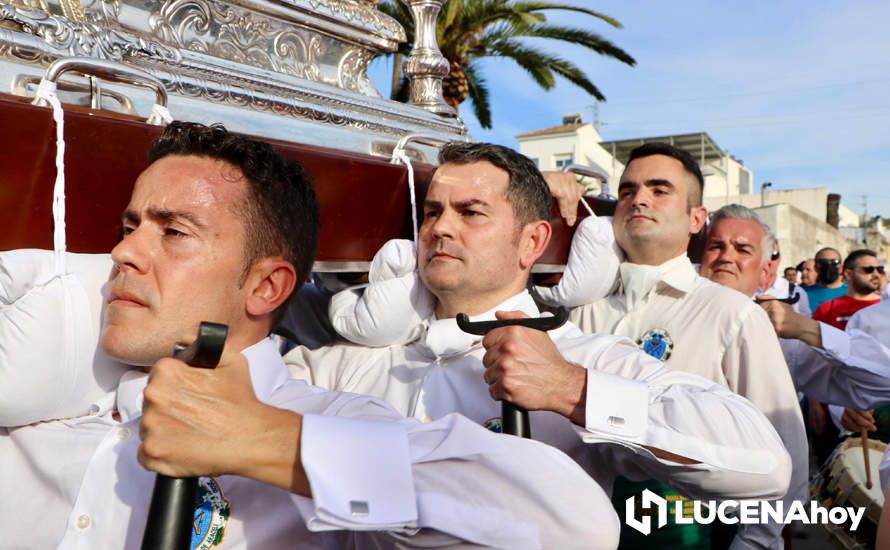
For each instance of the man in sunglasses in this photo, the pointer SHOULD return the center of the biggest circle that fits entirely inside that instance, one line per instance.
(862, 275)
(829, 283)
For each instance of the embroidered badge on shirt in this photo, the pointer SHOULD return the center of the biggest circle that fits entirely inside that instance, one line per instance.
(212, 512)
(495, 425)
(657, 343)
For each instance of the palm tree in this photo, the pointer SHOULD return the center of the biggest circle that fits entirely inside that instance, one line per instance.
(469, 30)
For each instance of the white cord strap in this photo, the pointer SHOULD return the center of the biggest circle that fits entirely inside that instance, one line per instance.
(47, 91)
(587, 206)
(160, 114)
(399, 155)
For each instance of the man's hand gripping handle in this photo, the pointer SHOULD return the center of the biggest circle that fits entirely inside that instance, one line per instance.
(515, 418)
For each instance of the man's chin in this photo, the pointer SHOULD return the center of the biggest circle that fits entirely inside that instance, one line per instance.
(724, 278)
(129, 349)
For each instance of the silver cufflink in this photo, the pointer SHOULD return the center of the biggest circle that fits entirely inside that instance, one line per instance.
(615, 421)
(358, 507)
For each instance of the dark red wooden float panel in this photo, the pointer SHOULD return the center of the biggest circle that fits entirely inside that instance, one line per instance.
(364, 200)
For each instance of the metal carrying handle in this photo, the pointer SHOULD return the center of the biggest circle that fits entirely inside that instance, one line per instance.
(172, 509)
(22, 82)
(107, 70)
(514, 417)
(480, 328)
(589, 171)
(416, 138)
(791, 300)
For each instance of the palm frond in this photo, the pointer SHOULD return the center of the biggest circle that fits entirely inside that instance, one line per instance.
(539, 6)
(479, 95)
(576, 76)
(589, 40)
(535, 62)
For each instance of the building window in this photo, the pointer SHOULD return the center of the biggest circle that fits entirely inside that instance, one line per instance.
(744, 181)
(563, 160)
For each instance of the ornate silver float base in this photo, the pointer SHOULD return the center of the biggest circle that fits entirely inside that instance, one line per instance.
(260, 67)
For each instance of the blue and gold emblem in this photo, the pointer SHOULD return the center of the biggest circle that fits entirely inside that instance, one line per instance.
(212, 512)
(495, 425)
(657, 343)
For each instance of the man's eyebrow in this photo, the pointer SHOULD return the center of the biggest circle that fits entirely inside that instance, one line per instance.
(470, 202)
(164, 216)
(659, 183)
(656, 182)
(459, 204)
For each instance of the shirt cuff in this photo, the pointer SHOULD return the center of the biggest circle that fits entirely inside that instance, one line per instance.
(360, 474)
(835, 341)
(616, 406)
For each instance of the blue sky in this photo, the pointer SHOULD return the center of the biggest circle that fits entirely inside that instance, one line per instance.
(799, 91)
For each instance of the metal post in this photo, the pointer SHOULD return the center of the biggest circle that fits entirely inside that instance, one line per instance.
(763, 188)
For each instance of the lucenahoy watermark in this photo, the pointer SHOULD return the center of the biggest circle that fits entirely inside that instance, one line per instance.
(743, 512)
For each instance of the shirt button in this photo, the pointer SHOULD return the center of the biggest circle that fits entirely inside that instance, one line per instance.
(124, 434)
(94, 410)
(83, 521)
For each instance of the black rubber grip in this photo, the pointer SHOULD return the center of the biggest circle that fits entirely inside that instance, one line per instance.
(538, 323)
(172, 509)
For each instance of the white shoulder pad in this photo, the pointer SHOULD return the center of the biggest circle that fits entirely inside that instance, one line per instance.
(390, 309)
(50, 363)
(592, 267)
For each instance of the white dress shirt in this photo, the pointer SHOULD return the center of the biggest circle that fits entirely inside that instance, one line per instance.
(868, 349)
(717, 333)
(851, 369)
(76, 484)
(874, 320)
(632, 401)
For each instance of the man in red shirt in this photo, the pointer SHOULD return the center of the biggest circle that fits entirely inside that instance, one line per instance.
(863, 277)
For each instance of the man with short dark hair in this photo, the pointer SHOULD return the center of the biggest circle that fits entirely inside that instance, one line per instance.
(709, 330)
(790, 274)
(220, 228)
(475, 254)
(862, 276)
(829, 278)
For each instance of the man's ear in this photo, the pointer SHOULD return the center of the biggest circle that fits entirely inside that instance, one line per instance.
(269, 283)
(763, 278)
(698, 215)
(533, 242)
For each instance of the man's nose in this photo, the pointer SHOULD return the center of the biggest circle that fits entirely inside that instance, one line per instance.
(641, 197)
(443, 226)
(129, 253)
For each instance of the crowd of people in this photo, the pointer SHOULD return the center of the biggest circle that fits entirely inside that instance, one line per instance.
(711, 381)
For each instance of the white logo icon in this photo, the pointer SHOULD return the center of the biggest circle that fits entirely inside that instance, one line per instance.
(649, 499)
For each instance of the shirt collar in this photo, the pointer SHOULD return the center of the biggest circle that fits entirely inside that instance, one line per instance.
(265, 364)
(678, 273)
